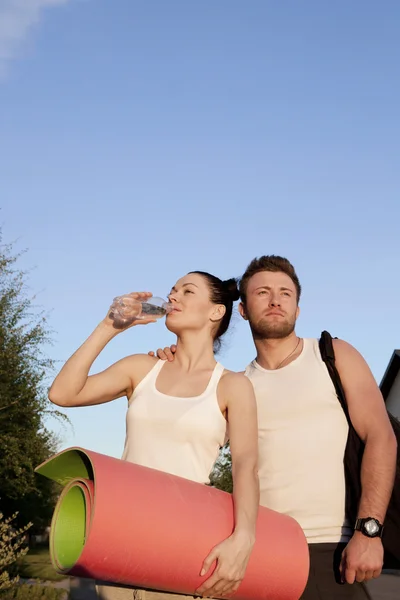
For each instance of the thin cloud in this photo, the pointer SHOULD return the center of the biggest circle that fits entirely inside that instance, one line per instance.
(17, 19)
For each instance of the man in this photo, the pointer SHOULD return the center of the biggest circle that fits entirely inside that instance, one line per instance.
(303, 433)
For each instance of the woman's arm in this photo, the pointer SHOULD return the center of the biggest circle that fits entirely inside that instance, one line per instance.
(243, 433)
(74, 387)
(233, 554)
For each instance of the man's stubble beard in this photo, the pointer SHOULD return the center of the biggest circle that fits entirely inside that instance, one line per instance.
(263, 330)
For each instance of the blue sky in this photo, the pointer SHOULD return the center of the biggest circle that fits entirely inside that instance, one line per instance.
(140, 140)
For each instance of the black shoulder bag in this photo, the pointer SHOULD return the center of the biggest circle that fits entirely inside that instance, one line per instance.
(352, 465)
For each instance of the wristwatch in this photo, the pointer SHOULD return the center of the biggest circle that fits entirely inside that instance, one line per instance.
(369, 527)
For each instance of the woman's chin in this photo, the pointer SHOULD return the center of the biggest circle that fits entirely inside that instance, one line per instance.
(171, 326)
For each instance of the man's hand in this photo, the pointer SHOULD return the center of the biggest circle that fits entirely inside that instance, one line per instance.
(166, 354)
(362, 559)
(232, 556)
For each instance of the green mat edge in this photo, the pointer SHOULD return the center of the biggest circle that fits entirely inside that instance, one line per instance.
(65, 467)
(68, 531)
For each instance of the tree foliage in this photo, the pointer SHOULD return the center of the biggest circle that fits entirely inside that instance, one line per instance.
(221, 476)
(24, 368)
(11, 548)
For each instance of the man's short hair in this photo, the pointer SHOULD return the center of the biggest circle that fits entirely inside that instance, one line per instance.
(271, 263)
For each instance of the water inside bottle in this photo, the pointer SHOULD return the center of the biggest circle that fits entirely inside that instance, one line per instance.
(126, 309)
(152, 310)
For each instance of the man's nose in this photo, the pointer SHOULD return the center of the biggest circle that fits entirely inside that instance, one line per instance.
(274, 300)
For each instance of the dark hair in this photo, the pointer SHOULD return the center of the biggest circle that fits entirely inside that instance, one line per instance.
(271, 263)
(221, 292)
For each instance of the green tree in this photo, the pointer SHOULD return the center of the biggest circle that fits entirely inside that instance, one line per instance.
(11, 548)
(24, 439)
(221, 475)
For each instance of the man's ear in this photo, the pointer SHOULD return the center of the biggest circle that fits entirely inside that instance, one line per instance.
(242, 310)
(297, 312)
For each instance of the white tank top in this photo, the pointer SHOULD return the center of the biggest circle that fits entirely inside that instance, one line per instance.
(302, 438)
(181, 436)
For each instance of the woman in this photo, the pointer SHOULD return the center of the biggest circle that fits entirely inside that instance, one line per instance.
(178, 414)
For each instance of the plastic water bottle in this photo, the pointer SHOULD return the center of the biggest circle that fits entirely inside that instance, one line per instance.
(126, 309)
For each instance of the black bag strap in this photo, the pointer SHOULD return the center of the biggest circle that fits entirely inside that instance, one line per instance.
(328, 356)
(391, 535)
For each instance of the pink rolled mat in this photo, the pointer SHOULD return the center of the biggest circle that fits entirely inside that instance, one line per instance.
(124, 523)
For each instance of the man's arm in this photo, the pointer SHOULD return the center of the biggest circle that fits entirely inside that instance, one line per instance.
(370, 420)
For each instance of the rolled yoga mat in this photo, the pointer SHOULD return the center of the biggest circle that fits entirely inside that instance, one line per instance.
(120, 522)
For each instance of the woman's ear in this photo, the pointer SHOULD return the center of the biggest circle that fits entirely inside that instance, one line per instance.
(218, 312)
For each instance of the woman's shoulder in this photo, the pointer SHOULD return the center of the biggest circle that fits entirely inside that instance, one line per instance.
(232, 374)
(235, 379)
(138, 366)
(235, 390)
(137, 360)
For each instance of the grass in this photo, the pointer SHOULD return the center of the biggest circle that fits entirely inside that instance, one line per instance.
(37, 565)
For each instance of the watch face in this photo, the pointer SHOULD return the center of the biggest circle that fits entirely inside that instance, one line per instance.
(371, 527)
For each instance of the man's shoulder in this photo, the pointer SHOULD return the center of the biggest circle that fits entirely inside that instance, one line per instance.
(340, 346)
(343, 348)
(347, 357)
(250, 369)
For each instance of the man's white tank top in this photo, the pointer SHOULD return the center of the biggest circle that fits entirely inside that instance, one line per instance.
(302, 438)
(181, 436)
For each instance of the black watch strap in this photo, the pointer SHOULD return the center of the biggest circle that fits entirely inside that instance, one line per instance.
(369, 526)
